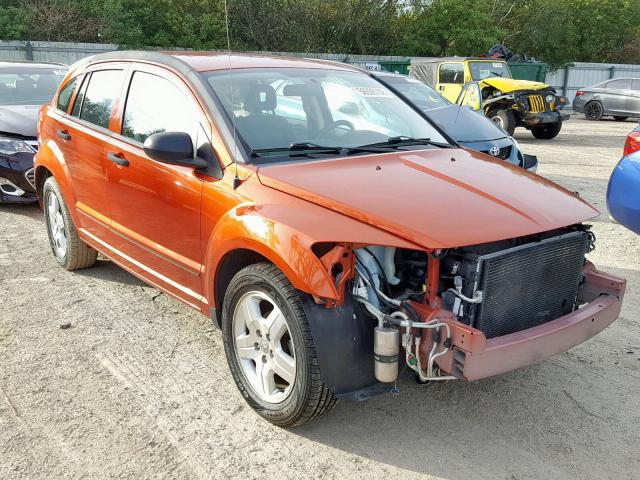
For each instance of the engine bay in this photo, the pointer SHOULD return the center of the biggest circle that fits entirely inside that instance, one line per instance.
(498, 288)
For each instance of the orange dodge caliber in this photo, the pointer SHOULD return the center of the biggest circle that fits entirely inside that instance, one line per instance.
(330, 231)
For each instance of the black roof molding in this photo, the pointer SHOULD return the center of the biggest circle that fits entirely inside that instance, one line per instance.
(145, 56)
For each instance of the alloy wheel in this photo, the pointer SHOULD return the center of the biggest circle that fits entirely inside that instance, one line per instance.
(593, 110)
(497, 119)
(263, 346)
(56, 225)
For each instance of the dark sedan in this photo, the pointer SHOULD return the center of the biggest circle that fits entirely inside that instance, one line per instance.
(618, 98)
(465, 126)
(24, 87)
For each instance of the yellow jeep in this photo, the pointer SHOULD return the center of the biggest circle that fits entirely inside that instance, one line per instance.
(486, 85)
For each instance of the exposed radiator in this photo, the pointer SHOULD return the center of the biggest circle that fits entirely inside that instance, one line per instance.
(536, 104)
(530, 284)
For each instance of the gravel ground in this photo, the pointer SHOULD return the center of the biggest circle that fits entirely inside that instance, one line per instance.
(138, 386)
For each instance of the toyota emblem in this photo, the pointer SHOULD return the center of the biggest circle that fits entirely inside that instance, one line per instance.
(495, 151)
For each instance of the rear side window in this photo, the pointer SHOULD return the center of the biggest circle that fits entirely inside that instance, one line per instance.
(155, 105)
(620, 84)
(64, 97)
(452, 73)
(99, 96)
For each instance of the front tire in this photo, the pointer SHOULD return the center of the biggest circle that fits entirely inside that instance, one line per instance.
(547, 131)
(68, 248)
(505, 119)
(270, 349)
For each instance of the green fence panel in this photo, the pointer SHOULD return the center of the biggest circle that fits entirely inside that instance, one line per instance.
(536, 72)
(395, 66)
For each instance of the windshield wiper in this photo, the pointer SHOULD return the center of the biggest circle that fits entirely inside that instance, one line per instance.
(401, 141)
(307, 148)
(300, 148)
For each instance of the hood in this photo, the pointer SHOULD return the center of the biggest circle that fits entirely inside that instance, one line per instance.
(508, 85)
(434, 198)
(19, 119)
(464, 124)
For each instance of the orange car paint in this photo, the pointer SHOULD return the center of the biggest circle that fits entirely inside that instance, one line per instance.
(423, 200)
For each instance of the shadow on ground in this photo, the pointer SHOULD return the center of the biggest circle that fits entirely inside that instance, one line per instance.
(556, 419)
(30, 210)
(107, 270)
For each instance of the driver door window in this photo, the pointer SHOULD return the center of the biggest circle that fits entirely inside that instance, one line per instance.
(450, 80)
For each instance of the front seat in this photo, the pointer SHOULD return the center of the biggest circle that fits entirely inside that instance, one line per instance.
(262, 127)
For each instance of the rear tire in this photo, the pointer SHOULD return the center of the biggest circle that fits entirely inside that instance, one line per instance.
(618, 118)
(265, 329)
(593, 110)
(547, 131)
(68, 248)
(505, 119)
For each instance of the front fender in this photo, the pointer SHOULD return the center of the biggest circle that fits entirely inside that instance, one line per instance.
(284, 234)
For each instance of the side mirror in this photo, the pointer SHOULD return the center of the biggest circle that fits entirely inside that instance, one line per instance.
(175, 148)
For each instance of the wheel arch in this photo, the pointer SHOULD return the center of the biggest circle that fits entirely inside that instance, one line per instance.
(41, 173)
(229, 265)
(50, 162)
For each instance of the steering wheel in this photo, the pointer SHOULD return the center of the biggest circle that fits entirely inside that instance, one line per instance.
(334, 125)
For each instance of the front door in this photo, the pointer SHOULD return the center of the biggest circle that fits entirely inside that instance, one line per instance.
(471, 96)
(155, 207)
(450, 80)
(82, 136)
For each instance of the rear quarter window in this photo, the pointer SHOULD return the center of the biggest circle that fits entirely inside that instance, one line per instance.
(65, 95)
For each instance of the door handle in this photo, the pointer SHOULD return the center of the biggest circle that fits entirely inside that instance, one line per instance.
(63, 134)
(116, 158)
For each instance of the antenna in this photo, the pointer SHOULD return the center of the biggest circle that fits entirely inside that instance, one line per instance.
(236, 179)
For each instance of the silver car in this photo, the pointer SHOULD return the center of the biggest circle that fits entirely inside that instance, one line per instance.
(619, 98)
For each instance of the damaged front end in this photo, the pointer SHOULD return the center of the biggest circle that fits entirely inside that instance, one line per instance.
(539, 107)
(464, 313)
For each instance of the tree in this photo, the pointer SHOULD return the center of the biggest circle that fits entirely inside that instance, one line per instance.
(453, 27)
(562, 31)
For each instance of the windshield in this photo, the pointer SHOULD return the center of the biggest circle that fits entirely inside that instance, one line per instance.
(278, 108)
(26, 85)
(421, 95)
(487, 69)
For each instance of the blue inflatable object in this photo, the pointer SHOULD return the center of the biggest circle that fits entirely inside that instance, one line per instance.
(623, 192)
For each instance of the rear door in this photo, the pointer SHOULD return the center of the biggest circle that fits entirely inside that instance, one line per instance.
(633, 102)
(155, 207)
(82, 135)
(615, 95)
(450, 79)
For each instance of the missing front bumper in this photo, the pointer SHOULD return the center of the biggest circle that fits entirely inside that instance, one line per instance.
(535, 119)
(482, 359)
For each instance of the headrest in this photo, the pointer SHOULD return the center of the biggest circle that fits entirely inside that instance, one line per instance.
(47, 83)
(24, 86)
(302, 89)
(260, 98)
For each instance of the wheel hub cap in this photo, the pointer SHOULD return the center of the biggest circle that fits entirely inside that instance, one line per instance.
(263, 346)
(56, 225)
